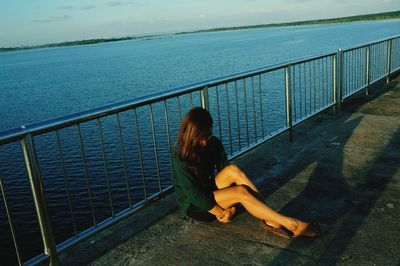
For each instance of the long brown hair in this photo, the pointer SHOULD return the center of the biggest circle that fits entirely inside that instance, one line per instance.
(196, 126)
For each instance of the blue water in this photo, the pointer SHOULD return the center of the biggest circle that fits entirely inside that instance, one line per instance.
(46, 83)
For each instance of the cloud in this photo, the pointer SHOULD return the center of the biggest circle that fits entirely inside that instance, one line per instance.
(298, 1)
(67, 7)
(52, 19)
(87, 7)
(114, 3)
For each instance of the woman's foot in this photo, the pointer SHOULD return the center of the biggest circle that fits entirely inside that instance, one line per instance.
(306, 229)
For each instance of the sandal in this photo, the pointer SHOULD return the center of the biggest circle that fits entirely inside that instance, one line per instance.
(282, 231)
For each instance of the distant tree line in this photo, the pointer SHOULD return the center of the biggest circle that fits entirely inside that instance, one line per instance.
(377, 16)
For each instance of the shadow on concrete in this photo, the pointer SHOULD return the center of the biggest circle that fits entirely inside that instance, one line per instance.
(330, 198)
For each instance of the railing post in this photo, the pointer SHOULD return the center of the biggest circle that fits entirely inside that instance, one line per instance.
(35, 182)
(288, 103)
(335, 83)
(367, 70)
(204, 98)
(389, 60)
(339, 80)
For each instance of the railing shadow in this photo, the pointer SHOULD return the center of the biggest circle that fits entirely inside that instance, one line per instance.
(328, 197)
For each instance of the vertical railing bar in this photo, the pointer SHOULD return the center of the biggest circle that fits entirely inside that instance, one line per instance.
(314, 86)
(325, 80)
(359, 69)
(246, 112)
(300, 93)
(179, 109)
(374, 65)
(254, 108)
(367, 69)
(191, 100)
(237, 114)
(288, 102)
(122, 148)
(380, 59)
(322, 82)
(229, 117)
(204, 98)
(383, 60)
(85, 171)
(35, 181)
(371, 59)
(168, 133)
(219, 114)
(330, 79)
(140, 151)
(319, 82)
(389, 59)
(305, 88)
(343, 75)
(354, 70)
(309, 87)
(261, 105)
(350, 71)
(294, 92)
(323, 72)
(334, 82)
(66, 183)
(10, 223)
(105, 165)
(153, 130)
(340, 77)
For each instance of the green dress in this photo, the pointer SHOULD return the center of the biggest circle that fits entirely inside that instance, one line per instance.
(195, 192)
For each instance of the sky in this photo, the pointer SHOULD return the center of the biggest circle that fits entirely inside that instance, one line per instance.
(34, 22)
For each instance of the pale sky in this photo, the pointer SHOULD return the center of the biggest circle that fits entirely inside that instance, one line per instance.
(32, 22)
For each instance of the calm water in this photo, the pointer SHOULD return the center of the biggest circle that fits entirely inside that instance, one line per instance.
(45, 83)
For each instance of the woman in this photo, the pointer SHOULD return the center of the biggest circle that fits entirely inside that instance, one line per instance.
(207, 187)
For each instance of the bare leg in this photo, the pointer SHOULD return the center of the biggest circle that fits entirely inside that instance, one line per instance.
(233, 195)
(233, 175)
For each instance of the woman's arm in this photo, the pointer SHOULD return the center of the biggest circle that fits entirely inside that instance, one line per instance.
(185, 183)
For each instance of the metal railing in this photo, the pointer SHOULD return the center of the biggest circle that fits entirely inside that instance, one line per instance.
(99, 166)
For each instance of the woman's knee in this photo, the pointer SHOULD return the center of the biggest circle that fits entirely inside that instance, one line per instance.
(234, 170)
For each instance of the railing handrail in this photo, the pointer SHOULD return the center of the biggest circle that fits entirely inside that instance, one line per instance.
(369, 43)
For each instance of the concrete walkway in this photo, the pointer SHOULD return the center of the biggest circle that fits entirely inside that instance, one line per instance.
(343, 171)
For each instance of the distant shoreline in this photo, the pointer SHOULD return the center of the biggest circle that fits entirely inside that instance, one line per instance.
(368, 17)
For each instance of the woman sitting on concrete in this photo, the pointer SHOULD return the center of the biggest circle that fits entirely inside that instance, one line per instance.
(207, 187)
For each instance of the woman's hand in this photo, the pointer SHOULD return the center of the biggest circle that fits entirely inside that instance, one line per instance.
(227, 215)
